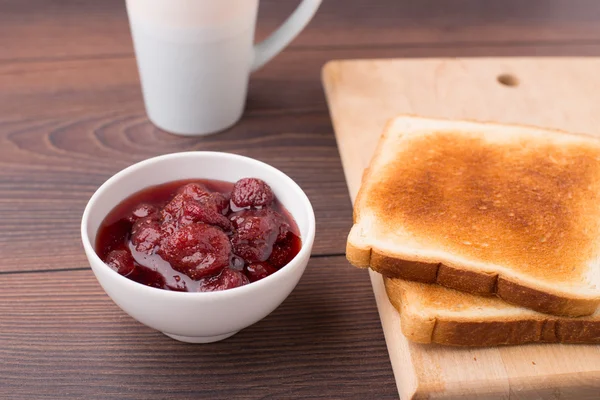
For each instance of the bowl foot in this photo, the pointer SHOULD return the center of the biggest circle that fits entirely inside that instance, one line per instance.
(200, 339)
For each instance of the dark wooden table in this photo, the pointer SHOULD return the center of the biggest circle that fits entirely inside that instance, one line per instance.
(71, 115)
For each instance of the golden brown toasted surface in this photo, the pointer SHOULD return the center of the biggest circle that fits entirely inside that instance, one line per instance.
(529, 205)
(436, 297)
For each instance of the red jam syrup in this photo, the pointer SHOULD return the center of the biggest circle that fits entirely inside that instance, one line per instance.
(199, 235)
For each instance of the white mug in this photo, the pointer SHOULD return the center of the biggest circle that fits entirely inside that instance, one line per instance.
(195, 57)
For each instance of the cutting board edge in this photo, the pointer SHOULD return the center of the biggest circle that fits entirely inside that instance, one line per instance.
(419, 391)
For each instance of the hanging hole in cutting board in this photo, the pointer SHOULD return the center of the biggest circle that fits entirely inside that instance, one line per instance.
(508, 80)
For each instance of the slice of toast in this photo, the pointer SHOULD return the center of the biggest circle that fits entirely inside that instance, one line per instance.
(486, 209)
(431, 313)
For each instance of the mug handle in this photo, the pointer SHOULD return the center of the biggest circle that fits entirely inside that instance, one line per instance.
(272, 45)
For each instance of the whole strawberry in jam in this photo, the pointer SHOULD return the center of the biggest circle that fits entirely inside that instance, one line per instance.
(141, 211)
(197, 250)
(121, 261)
(251, 192)
(187, 209)
(255, 233)
(284, 250)
(258, 271)
(194, 190)
(227, 279)
(146, 234)
(184, 236)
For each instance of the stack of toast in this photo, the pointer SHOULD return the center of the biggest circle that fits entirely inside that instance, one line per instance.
(485, 234)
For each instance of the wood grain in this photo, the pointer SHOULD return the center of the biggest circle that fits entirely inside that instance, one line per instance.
(289, 82)
(51, 167)
(71, 115)
(555, 93)
(62, 337)
(71, 124)
(37, 29)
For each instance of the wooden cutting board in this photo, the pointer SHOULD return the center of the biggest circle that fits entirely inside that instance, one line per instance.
(559, 93)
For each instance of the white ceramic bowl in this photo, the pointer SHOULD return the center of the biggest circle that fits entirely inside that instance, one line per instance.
(198, 317)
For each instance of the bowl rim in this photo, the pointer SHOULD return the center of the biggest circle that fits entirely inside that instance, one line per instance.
(307, 242)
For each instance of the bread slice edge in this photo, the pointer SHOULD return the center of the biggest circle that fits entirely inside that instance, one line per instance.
(513, 289)
(471, 281)
(425, 328)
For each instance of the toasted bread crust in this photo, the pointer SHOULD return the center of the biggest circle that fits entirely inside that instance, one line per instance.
(478, 283)
(463, 279)
(398, 268)
(460, 333)
(367, 172)
(481, 284)
(357, 256)
(487, 333)
(421, 329)
(540, 301)
(515, 332)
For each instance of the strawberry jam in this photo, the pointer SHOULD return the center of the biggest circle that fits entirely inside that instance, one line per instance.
(199, 235)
